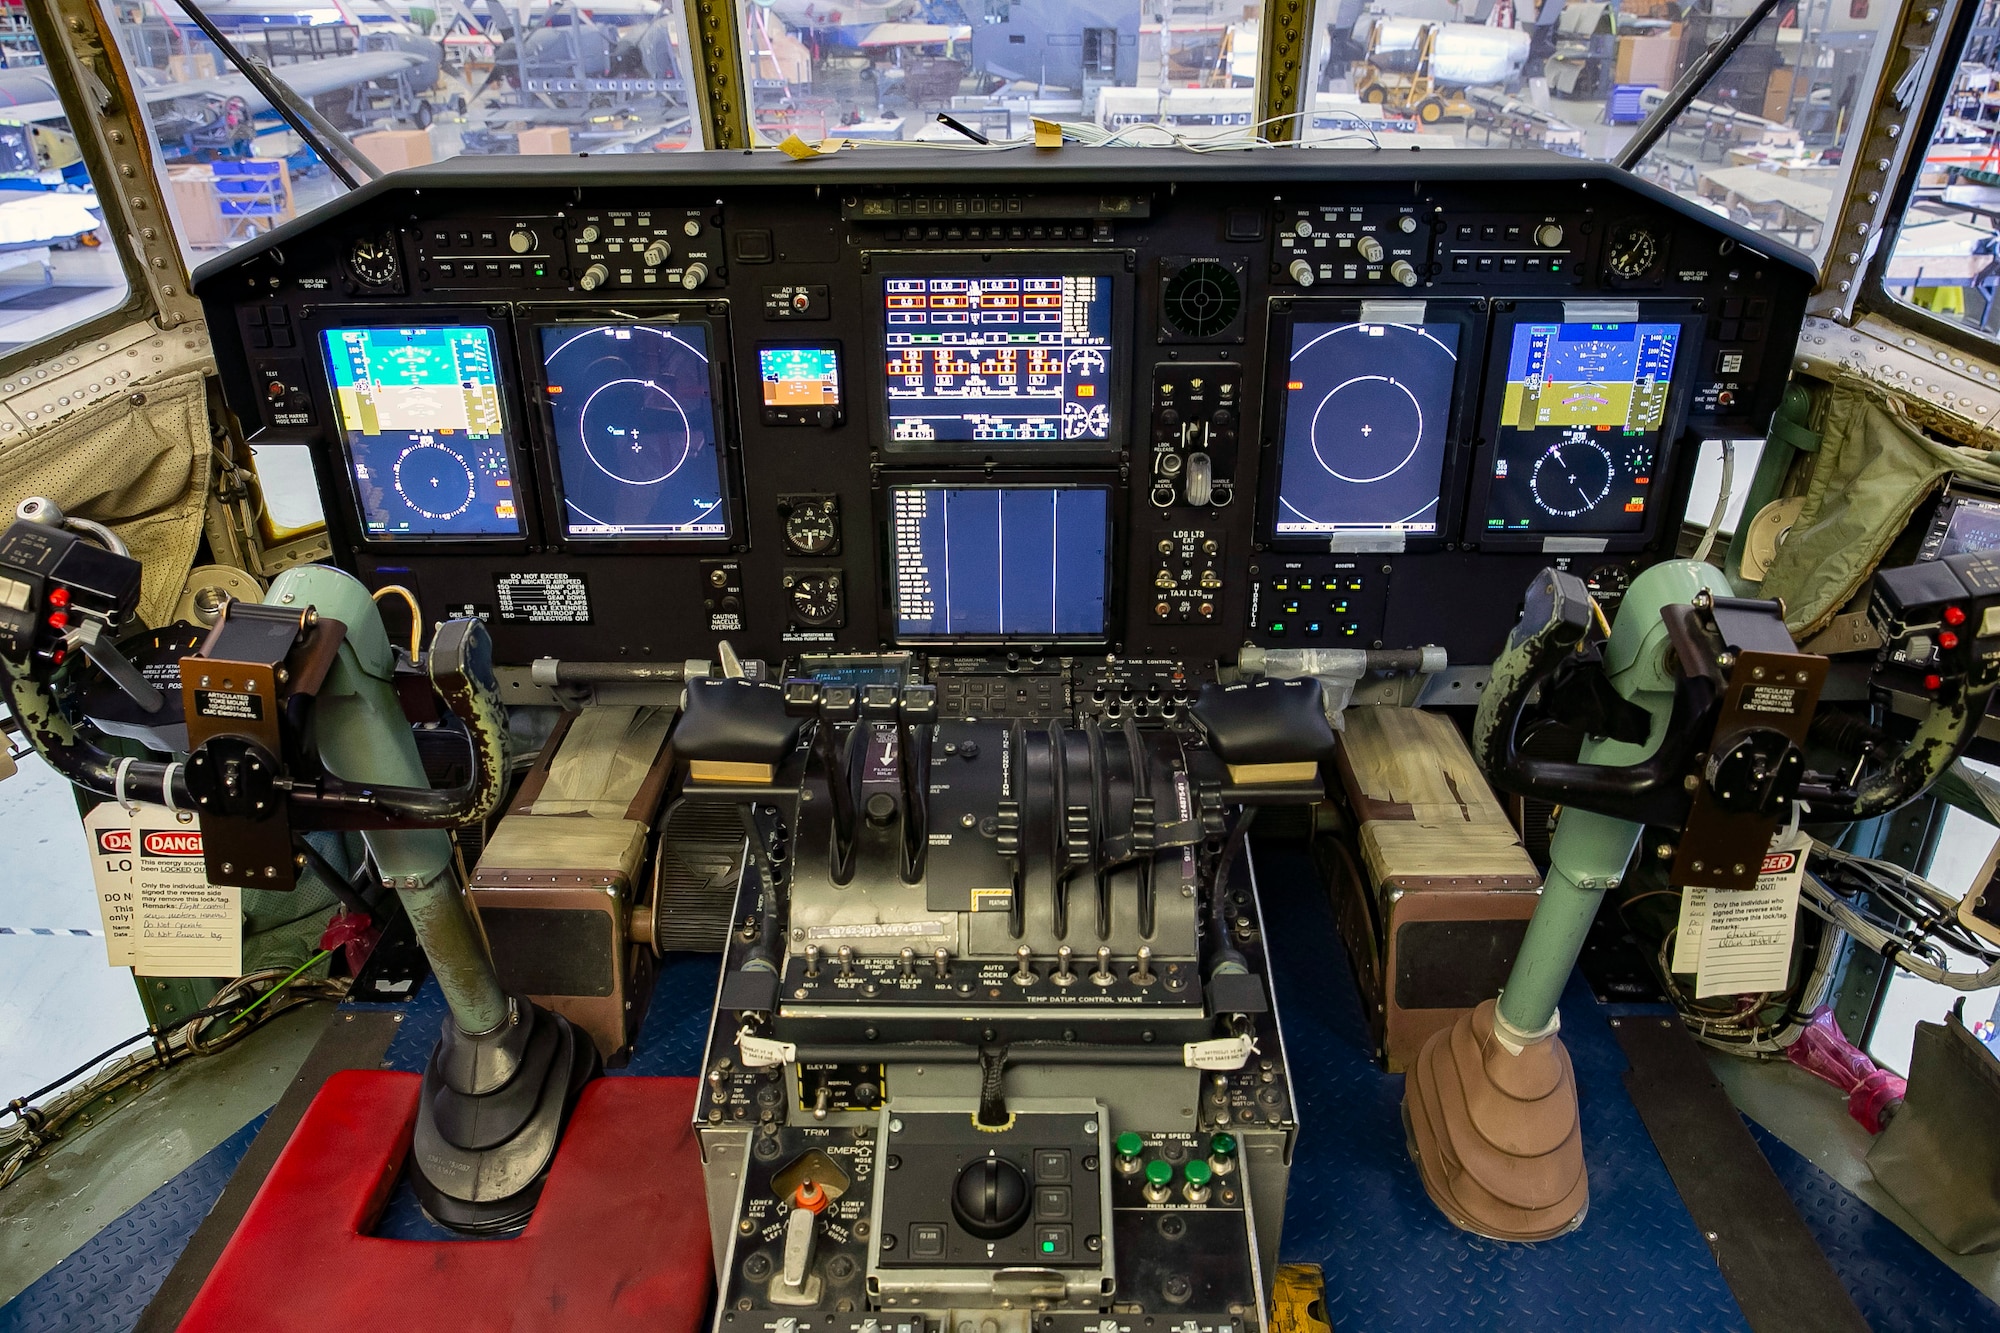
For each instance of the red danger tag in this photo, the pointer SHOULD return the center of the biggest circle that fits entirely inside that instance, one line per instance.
(172, 842)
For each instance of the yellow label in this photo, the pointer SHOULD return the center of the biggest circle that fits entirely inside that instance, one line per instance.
(795, 147)
(992, 900)
(1048, 134)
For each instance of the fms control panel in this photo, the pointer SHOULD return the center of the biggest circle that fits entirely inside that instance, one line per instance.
(1124, 404)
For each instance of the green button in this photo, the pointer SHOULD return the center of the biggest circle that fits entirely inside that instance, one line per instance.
(1197, 1173)
(1159, 1172)
(1129, 1144)
(1222, 1145)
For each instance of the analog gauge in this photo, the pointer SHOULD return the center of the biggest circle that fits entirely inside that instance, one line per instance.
(435, 481)
(1572, 478)
(374, 260)
(1609, 581)
(1634, 251)
(815, 597)
(812, 524)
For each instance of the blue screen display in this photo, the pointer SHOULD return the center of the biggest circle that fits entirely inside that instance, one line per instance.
(994, 562)
(999, 358)
(419, 409)
(635, 431)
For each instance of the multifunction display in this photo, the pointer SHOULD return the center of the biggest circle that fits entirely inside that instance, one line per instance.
(420, 413)
(801, 385)
(1367, 415)
(1007, 358)
(634, 422)
(1581, 425)
(1000, 562)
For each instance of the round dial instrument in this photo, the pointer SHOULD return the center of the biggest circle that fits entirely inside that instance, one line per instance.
(811, 527)
(1572, 478)
(435, 481)
(1633, 252)
(815, 598)
(375, 261)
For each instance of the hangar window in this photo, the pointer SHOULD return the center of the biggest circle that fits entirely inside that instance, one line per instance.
(58, 267)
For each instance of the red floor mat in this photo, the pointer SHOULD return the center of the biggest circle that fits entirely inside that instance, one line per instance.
(619, 1240)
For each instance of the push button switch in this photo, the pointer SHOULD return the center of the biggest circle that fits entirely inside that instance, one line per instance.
(926, 1241)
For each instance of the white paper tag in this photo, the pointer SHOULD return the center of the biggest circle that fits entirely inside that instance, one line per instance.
(1218, 1053)
(1693, 925)
(109, 830)
(1747, 945)
(187, 927)
(762, 1052)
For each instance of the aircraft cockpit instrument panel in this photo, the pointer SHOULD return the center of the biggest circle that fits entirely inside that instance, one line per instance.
(1141, 403)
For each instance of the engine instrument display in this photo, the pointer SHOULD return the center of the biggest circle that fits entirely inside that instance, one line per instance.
(1001, 562)
(997, 359)
(1367, 414)
(634, 420)
(420, 412)
(1962, 524)
(1582, 423)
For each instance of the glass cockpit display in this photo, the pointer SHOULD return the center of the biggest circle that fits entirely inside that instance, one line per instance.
(633, 417)
(419, 409)
(1001, 562)
(1582, 427)
(1367, 416)
(998, 359)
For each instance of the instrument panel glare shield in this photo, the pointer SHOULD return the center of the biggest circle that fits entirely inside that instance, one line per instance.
(420, 412)
(632, 411)
(989, 563)
(1020, 359)
(1368, 411)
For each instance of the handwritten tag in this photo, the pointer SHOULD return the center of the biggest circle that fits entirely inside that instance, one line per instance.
(1747, 946)
(793, 146)
(1218, 1053)
(187, 927)
(762, 1052)
(109, 831)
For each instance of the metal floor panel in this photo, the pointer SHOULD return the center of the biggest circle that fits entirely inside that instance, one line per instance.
(106, 1283)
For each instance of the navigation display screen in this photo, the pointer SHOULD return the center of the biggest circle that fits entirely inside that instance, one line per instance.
(1009, 358)
(635, 437)
(1367, 413)
(1974, 525)
(419, 410)
(1581, 427)
(1001, 562)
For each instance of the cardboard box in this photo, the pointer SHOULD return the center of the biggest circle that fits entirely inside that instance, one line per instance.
(1778, 94)
(392, 150)
(546, 141)
(199, 65)
(1648, 59)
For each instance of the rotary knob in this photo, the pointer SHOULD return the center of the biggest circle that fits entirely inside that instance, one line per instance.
(694, 275)
(589, 234)
(1370, 248)
(520, 240)
(1402, 272)
(1549, 235)
(991, 1198)
(594, 277)
(1302, 272)
(657, 252)
(1406, 224)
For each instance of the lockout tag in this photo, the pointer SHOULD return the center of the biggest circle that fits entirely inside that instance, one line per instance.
(763, 1052)
(1218, 1053)
(109, 830)
(187, 927)
(1747, 946)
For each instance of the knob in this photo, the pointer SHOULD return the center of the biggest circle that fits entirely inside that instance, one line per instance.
(1402, 272)
(1302, 272)
(1549, 235)
(1406, 224)
(694, 275)
(881, 809)
(277, 389)
(990, 1199)
(588, 234)
(1370, 248)
(802, 301)
(656, 253)
(1304, 227)
(520, 240)
(1200, 479)
(594, 277)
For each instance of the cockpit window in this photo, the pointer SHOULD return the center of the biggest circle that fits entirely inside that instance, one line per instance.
(58, 267)
(405, 85)
(1946, 256)
(1137, 71)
